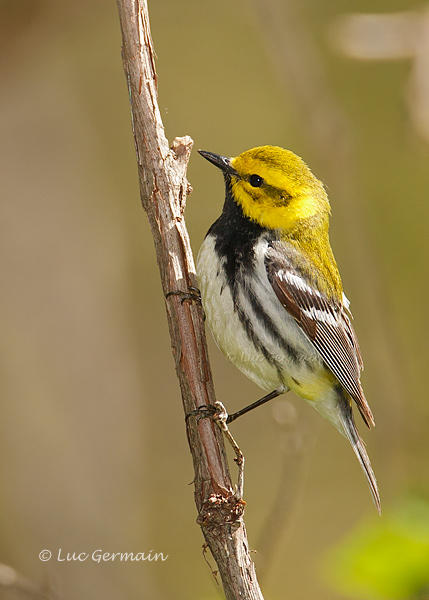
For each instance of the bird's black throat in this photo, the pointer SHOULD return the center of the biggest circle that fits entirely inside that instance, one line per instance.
(235, 236)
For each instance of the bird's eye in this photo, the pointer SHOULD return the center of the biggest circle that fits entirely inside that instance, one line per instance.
(256, 180)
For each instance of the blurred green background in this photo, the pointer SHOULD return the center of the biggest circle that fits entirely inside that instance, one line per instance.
(93, 449)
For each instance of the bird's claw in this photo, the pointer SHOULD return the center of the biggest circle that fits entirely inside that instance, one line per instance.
(217, 412)
(193, 295)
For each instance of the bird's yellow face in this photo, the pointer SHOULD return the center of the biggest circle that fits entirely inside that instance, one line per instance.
(276, 189)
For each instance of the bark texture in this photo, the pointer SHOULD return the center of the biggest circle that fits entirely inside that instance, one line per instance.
(163, 189)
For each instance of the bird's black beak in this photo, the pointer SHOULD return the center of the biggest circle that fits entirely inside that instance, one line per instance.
(222, 162)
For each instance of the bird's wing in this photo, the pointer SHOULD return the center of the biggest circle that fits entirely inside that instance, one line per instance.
(324, 321)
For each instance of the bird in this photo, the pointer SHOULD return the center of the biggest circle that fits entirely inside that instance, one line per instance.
(272, 293)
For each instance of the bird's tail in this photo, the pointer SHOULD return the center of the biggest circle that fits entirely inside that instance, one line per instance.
(349, 427)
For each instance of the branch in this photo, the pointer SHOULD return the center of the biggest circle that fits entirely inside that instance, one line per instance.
(163, 190)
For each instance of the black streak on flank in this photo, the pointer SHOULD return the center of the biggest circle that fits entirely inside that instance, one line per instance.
(270, 326)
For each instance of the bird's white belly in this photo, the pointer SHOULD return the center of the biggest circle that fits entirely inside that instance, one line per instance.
(232, 338)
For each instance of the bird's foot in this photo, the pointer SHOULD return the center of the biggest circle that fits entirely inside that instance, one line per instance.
(193, 295)
(217, 412)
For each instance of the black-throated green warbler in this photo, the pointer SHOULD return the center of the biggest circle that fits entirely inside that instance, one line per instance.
(272, 293)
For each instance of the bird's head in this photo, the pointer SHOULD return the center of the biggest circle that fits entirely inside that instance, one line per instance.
(274, 187)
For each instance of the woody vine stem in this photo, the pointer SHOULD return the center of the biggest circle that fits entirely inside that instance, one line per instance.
(163, 190)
